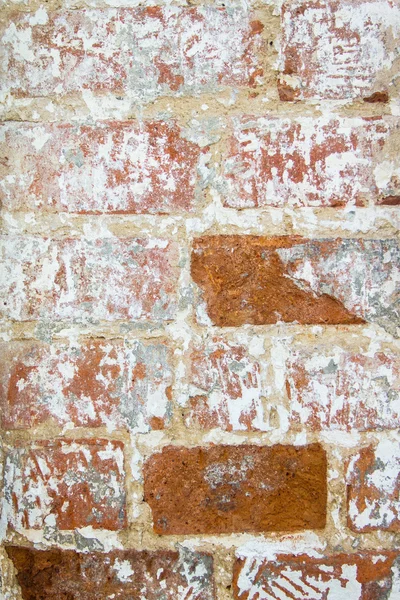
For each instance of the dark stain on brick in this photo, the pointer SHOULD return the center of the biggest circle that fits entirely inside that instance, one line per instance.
(377, 97)
(390, 200)
(121, 574)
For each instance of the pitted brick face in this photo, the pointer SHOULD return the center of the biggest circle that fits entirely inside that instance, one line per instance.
(113, 167)
(114, 383)
(361, 576)
(66, 484)
(307, 161)
(107, 278)
(120, 574)
(338, 50)
(373, 488)
(260, 280)
(334, 389)
(227, 489)
(142, 52)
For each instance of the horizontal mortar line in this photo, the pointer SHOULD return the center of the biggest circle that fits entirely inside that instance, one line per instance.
(190, 438)
(333, 229)
(109, 329)
(138, 7)
(214, 544)
(355, 110)
(106, 330)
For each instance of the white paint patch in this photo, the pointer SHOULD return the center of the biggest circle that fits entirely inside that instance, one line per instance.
(210, 50)
(124, 570)
(39, 18)
(374, 501)
(304, 162)
(345, 50)
(295, 583)
(231, 380)
(308, 543)
(334, 389)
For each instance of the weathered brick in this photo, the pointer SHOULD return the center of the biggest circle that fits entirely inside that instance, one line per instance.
(108, 278)
(260, 280)
(331, 388)
(338, 49)
(98, 382)
(120, 574)
(373, 488)
(307, 161)
(145, 52)
(119, 167)
(226, 489)
(361, 576)
(227, 388)
(66, 484)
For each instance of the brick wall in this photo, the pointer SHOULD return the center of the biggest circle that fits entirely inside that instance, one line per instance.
(200, 377)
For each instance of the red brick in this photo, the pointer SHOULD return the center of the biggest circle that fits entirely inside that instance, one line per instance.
(104, 279)
(120, 574)
(373, 488)
(306, 161)
(338, 49)
(98, 382)
(226, 388)
(118, 167)
(227, 489)
(260, 280)
(331, 388)
(145, 52)
(361, 576)
(66, 484)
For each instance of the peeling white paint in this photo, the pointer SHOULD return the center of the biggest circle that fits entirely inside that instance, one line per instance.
(343, 49)
(123, 569)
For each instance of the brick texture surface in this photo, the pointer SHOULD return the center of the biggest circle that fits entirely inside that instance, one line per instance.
(67, 484)
(228, 389)
(118, 574)
(373, 488)
(338, 50)
(96, 383)
(106, 279)
(114, 167)
(226, 489)
(146, 52)
(336, 389)
(258, 280)
(199, 299)
(363, 575)
(307, 162)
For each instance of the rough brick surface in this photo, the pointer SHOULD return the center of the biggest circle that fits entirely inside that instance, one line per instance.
(146, 52)
(66, 484)
(373, 488)
(225, 489)
(107, 278)
(337, 389)
(307, 161)
(50, 574)
(114, 383)
(259, 280)
(227, 389)
(363, 576)
(119, 167)
(199, 299)
(338, 50)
